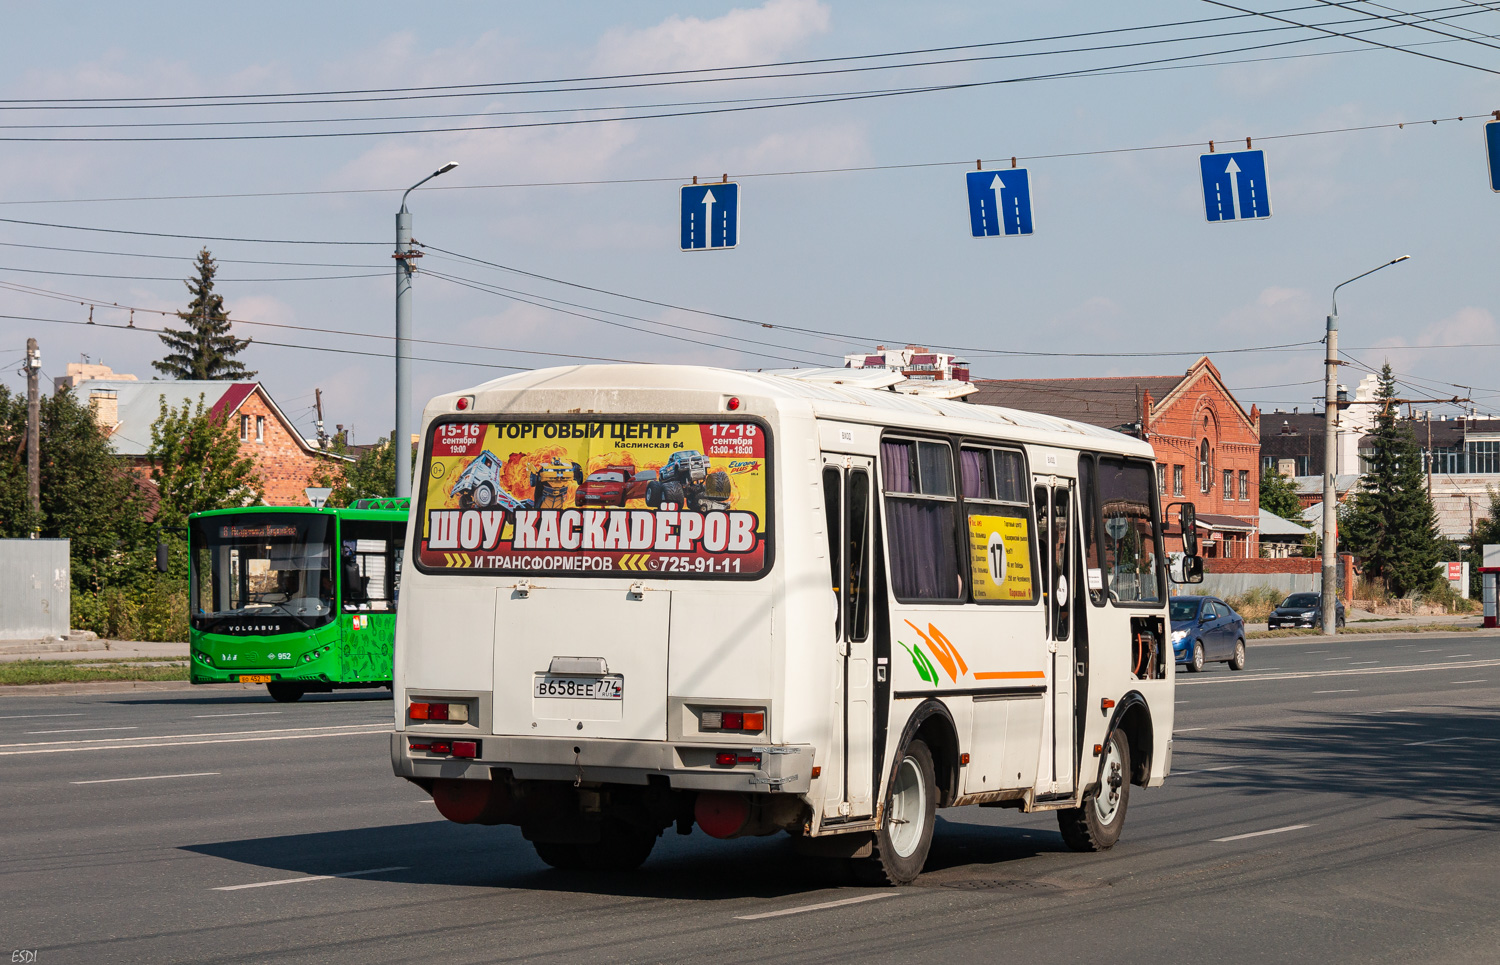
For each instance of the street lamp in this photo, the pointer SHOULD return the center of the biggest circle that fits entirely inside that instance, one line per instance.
(1330, 455)
(404, 255)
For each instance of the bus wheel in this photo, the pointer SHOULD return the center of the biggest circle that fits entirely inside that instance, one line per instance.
(284, 693)
(1097, 825)
(902, 843)
(563, 857)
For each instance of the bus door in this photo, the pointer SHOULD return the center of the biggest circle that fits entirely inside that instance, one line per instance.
(847, 503)
(1054, 516)
(369, 578)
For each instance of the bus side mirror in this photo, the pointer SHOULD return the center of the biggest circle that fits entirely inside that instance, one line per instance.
(1187, 524)
(1192, 569)
(161, 557)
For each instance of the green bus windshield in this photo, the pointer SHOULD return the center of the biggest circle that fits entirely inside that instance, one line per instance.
(262, 573)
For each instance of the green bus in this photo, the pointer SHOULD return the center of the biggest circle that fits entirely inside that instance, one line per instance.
(302, 600)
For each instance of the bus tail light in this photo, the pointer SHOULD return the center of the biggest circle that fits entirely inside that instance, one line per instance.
(468, 749)
(731, 758)
(432, 710)
(749, 721)
(417, 711)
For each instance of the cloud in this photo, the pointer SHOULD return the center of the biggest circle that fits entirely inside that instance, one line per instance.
(739, 37)
(1464, 327)
(1275, 310)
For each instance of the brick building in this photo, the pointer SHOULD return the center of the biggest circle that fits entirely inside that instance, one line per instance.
(1207, 445)
(126, 409)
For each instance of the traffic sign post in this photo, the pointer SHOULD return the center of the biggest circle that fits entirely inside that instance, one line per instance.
(1492, 149)
(999, 203)
(1234, 186)
(710, 216)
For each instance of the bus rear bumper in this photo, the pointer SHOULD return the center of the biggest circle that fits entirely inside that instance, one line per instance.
(785, 768)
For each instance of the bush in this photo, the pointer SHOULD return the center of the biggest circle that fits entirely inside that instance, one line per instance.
(1255, 605)
(157, 612)
(1445, 596)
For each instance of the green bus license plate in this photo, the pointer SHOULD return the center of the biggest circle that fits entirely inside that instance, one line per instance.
(255, 678)
(589, 688)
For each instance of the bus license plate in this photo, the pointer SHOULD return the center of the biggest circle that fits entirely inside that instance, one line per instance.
(255, 678)
(589, 688)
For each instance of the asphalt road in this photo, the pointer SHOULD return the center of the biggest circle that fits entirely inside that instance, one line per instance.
(1336, 802)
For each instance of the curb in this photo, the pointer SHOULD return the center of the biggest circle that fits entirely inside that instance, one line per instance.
(119, 687)
(1393, 635)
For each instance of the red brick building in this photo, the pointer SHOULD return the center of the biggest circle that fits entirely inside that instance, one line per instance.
(1207, 445)
(286, 461)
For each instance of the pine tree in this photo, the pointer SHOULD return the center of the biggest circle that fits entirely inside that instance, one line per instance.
(206, 349)
(1392, 525)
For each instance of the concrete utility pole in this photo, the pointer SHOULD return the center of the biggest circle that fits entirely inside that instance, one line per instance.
(404, 255)
(33, 432)
(318, 402)
(1330, 457)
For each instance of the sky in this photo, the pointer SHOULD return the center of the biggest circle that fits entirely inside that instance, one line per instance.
(833, 260)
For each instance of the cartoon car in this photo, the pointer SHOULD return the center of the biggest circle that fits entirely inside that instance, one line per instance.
(614, 486)
(690, 481)
(550, 482)
(478, 486)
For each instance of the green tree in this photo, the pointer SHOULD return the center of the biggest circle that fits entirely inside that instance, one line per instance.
(206, 348)
(1391, 524)
(372, 474)
(1278, 495)
(87, 495)
(196, 463)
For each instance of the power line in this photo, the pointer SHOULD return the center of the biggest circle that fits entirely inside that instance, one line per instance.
(162, 234)
(83, 274)
(187, 258)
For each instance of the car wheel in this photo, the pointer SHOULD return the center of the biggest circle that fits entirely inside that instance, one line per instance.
(1237, 662)
(1195, 663)
(284, 693)
(673, 493)
(905, 836)
(1096, 826)
(1340, 622)
(653, 494)
(484, 495)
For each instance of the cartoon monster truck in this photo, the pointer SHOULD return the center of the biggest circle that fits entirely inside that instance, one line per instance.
(550, 481)
(478, 486)
(688, 480)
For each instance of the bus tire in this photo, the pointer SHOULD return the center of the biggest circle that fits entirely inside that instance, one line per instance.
(563, 857)
(284, 693)
(1096, 826)
(905, 836)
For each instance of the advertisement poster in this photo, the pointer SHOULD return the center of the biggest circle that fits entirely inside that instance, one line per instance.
(1000, 558)
(587, 498)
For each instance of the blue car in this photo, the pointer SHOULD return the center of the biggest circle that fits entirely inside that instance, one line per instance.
(1204, 629)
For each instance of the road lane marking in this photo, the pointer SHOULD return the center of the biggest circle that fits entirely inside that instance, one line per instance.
(1457, 655)
(1439, 650)
(78, 730)
(1184, 730)
(1360, 662)
(253, 713)
(1205, 770)
(298, 881)
(153, 777)
(35, 716)
(818, 907)
(1258, 834)
(1340, 672)
(1354, 691)
(1315, 651)
(1468, 681)
(1443, 740)
(1338, 658)
(92, 746)
(220, 733)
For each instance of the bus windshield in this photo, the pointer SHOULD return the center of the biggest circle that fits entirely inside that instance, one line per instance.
(266, 573)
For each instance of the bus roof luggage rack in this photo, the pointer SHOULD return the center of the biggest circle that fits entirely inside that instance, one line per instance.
(402, 503)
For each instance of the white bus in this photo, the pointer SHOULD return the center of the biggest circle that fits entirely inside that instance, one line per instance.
(761, 603)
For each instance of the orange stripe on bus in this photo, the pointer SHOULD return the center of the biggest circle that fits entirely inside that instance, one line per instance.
(1010, 674)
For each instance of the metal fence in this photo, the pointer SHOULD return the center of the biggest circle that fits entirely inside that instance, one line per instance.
(35, 597)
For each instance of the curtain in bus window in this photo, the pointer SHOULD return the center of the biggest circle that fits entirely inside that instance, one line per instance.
(1010, 476)
(975, 474)
(1130, 552)
(898, 467)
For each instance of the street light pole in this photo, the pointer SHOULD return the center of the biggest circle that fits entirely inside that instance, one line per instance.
(404, 255)
(1330, 456)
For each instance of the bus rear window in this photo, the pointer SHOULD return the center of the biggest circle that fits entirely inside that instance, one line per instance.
(596, 498)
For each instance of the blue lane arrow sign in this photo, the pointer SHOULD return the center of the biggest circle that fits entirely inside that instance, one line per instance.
(1234, 186)
(710, 216)
(1492, 148)
(999, 203)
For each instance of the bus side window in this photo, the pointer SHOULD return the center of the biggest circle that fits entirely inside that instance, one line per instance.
(1089, 518)
(832, 518)
(367, 565)
(858, 539)
(921, 511)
